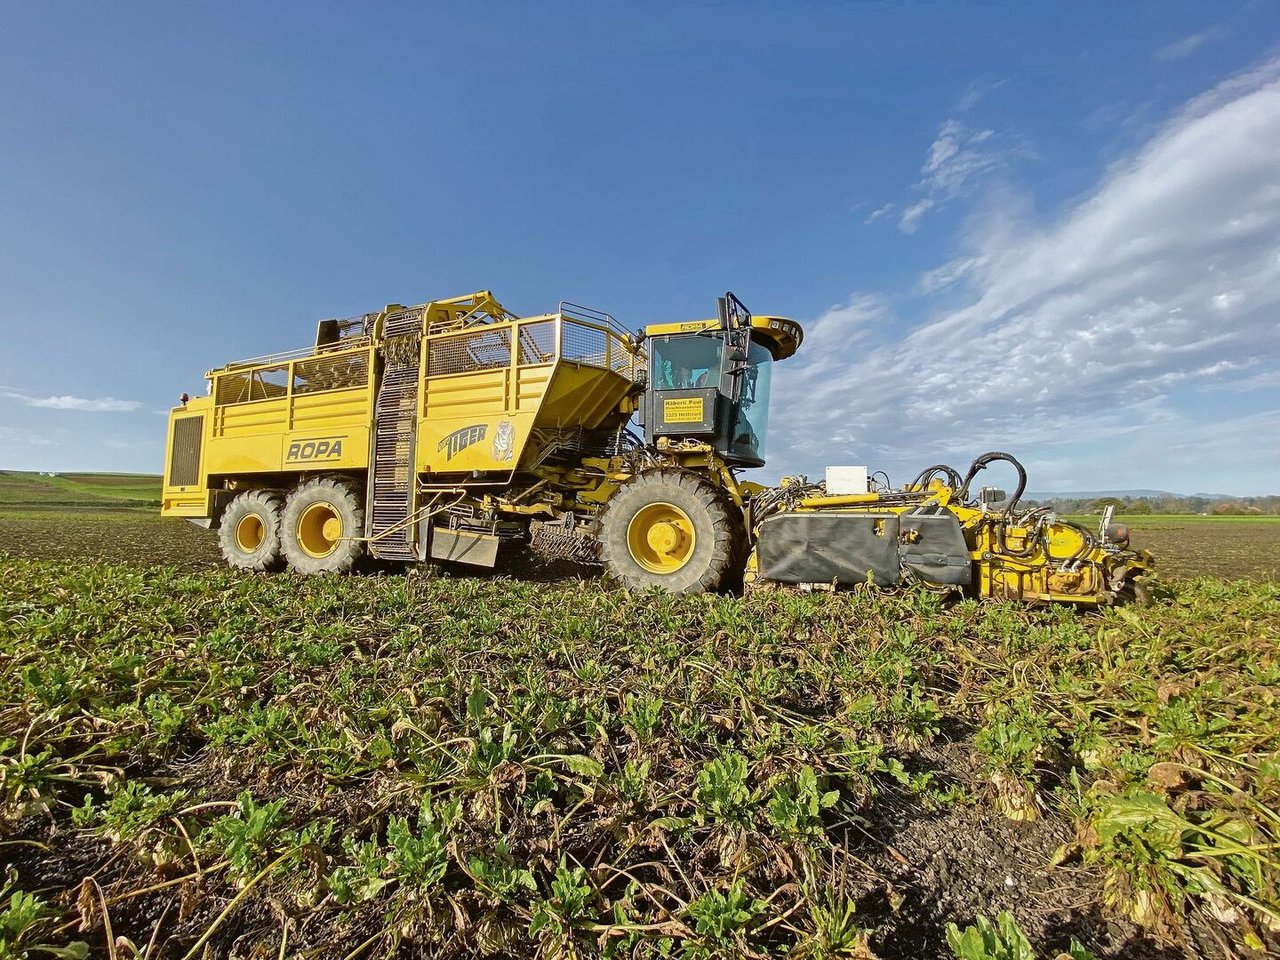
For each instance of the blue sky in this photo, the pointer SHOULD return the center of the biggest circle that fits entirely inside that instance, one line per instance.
(1050, 229)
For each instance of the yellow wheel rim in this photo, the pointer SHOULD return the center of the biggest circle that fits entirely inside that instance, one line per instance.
(661, 538)
(250, 532)
(319, 530)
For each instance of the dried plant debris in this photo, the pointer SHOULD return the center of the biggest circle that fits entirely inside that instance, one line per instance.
(216, 764)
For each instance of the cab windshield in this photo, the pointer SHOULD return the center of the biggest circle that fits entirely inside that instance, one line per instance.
(753, 408)
(685, 362)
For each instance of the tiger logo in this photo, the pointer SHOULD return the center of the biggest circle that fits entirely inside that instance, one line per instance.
(504, 441)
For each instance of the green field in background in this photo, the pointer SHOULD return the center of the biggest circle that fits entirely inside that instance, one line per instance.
(21, 490)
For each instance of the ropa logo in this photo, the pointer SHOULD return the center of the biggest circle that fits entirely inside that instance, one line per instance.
(327, 448)
(459, 440)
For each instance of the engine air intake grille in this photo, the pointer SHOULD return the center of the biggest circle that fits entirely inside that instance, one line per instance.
(184, 458)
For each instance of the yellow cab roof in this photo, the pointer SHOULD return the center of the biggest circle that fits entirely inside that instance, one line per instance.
(781, 336)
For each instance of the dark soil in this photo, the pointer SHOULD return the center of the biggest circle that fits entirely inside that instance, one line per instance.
(913, 870)
(122, 537)
(1207, 547)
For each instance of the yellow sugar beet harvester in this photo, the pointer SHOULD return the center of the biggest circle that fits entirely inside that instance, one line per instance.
(442, 431)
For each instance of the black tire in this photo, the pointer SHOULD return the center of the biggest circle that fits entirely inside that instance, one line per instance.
(704, 564)
(311, 543)
(249, 531)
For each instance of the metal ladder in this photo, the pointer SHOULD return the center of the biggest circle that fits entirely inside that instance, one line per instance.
(395, 422)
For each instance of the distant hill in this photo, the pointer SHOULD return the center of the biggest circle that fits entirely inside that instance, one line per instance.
(1132, 494)
(1129, 502)
(24, 490)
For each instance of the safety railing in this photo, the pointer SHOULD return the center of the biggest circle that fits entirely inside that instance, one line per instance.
(274, 378)
(532, 342)
(581, 335)
(616, 352)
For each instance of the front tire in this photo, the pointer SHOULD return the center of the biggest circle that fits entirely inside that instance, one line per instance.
(670, 529)
(249, 531)
(321, 523)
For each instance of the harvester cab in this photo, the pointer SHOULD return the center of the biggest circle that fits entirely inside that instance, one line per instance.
(709, 381)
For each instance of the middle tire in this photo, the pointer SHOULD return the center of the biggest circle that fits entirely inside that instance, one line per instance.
(670, 529)
(321, 519)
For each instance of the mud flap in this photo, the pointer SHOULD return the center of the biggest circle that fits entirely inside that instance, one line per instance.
(940, 555)
(464, 546)
(830, 547)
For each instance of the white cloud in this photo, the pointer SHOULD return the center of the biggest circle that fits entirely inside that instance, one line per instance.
(15, 436)
(1101, 327)
(1189, 45)
(958, 156)
(957, 160)
(1228, 301)
(909, 222)
(878, 212)
(68, 402)
(947, 274)
(976, 92)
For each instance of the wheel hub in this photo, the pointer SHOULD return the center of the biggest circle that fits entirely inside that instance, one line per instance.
(661, 538)
(665, 537)
(250, 532)
(319, 530)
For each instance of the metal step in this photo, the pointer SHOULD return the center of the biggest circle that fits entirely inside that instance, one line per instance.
(395, 424)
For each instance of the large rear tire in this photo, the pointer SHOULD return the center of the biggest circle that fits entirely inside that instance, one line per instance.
(670, 529)
(249, 531)
(321, 522)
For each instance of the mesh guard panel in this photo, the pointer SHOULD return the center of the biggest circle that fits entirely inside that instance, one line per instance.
(467, 353)
(340, 372)
(184, 458)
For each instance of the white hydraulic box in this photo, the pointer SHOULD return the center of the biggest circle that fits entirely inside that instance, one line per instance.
(842, 481)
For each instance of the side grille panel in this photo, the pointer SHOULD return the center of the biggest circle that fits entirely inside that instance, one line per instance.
(184, 458)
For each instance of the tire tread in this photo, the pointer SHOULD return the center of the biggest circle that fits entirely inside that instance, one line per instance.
(645, 488)
(268, 504)
(342, 495)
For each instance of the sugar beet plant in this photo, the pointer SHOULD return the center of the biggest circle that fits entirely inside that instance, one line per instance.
(445, 767)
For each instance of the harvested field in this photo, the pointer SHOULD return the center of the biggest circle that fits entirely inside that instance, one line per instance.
(429, 766)
(130, 537)
(19, 490)
(420, 765)
(1212, 546)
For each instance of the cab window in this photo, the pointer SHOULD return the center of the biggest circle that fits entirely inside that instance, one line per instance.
(685, 362)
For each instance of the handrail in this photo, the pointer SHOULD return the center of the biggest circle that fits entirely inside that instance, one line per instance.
(577, 311)
(267, 360)
(298, 353)
(585, 317)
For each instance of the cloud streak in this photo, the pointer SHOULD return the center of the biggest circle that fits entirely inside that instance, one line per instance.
(957, 160)
(69, 402)
(1185, 47)
(909, 222)
(976, 92)
(15, 436)
(1162, 282)
(878, 212)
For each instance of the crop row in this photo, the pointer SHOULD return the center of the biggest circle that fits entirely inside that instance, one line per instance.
(341, 767)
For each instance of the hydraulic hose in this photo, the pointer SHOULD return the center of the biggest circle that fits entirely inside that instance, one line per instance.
(1086, 544)
(953, 476)
(981, 464)
(1029, 545)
